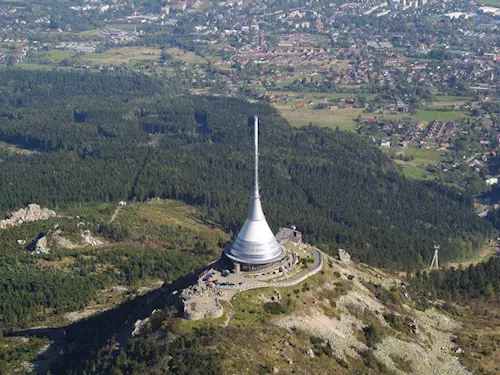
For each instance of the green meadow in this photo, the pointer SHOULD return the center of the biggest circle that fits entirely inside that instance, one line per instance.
(429, 115)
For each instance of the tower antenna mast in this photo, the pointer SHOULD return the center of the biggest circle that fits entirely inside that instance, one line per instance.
(256, 141)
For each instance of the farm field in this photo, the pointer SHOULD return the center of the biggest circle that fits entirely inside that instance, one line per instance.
(416, 168)
(338, 64)
(58, 55)
(384, 116)
(423, 157)
(188, 57)
(41, 67)
(447, 101)
(416, 173)
(53, 56)
(124, 55)
(314, 96)
(30, 66)
(343, 118)
(429, 115)
(452, 98)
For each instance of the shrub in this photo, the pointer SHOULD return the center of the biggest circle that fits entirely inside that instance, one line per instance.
(371, 335)
(372, 362)
(321, 347)
(274, 308)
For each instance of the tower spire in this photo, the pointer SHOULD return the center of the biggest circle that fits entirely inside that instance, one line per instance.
(256, 141)
(255, 212)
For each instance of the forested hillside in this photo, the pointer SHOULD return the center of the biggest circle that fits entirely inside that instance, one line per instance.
(480, 281)
(34, 287)
(108, 138)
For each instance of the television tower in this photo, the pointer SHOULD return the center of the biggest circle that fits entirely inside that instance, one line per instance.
(255, 244)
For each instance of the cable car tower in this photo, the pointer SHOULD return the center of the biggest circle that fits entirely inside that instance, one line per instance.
(435, 260)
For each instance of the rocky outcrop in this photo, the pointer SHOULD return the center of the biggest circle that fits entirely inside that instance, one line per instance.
(344, 256)
(32, 212)
(56, 239)
(201, 302)
(90, 240)
(41, 246)
(62, 242)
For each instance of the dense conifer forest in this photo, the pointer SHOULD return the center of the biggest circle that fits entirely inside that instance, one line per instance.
(101, 138)
(476, 282)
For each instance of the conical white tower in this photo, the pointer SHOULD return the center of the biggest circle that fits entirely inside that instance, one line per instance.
(255, 243)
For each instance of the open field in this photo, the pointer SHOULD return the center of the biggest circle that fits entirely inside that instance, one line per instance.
(384, 116)
(342, 118)
(123, 26)
(415, 173)
(416, 168)
(129, 55)
(124, 55)
(58, 55)
(484, 255)
(161, 221)
(337, 64)
(94, 33)
(175, 214)
(427, 115)
(447, 101)
(34, 66)
(451, 98)
(53, 56)
(422, 157)
(30, 66)
(314, 96)
(442, 105)
(187, 57)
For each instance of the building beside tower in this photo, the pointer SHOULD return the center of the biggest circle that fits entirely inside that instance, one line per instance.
(255, 246)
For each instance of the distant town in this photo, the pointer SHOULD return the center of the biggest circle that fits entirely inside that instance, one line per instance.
(418, 78)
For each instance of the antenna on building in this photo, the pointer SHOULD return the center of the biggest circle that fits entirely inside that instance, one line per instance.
(435, 260)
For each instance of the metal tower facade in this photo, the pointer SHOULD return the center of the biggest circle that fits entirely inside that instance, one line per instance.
(255, 243)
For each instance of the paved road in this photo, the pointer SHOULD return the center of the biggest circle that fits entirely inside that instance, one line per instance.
(254, 284)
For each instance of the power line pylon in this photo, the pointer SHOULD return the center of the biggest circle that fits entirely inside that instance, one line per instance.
(435, 259)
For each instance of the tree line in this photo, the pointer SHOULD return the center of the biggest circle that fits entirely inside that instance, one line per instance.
(461, 285)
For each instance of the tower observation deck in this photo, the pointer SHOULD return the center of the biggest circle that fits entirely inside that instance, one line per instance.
(255, 244)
